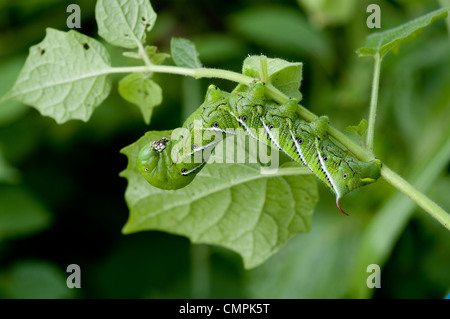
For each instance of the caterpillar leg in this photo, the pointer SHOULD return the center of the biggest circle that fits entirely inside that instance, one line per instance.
(246, 107)
(319, 127)
(256, 93)
(214, 112)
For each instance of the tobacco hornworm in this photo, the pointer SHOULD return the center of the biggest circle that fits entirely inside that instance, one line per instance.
(173, 162)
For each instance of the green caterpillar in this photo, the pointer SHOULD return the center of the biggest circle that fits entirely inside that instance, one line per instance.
(173, 162)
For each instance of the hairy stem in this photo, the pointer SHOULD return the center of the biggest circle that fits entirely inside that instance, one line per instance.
(421, 199)
(377, 240)
(264, 72)
(373, 103)
(363, 154)
(195, 73)
(144, 54)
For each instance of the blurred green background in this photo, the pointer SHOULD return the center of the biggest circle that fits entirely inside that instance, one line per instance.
(61, 197)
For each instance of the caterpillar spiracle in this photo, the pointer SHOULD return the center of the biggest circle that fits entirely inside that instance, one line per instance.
(169, 163)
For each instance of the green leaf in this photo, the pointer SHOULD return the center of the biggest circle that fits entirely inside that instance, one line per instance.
(156, 57)
(285, 76)
(184, 53)
(8, 173)
(359, 129)
(64, 77)
(124, 23)
(308, 266)
(138, 89)
(383, 42)
(231, 205)
(151, 51)
(32, 279)
(21, 213)
(11, 110)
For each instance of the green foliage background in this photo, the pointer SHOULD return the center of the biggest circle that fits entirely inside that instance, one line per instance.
(61, 197)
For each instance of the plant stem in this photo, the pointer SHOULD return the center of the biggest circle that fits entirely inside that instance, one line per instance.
(379, 237)
(264, 72)
(421, 199)
(195, 73)
(373, 102)
(144, 54)
(363, 154)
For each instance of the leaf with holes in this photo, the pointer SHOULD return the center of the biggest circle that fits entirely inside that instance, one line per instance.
(64, 77)
(138, 89)
(231, 205)
(124, 23)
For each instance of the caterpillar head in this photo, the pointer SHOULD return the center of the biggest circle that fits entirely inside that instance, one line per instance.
(357, 174)
(353, 174)
(156, 164)
(344, 172)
